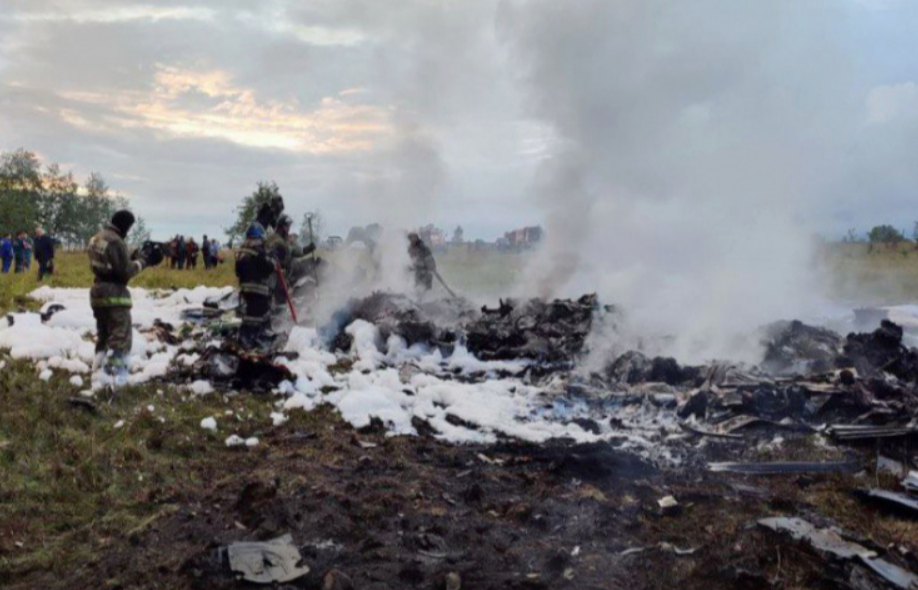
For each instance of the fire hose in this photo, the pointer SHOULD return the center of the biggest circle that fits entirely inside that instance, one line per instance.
(315, 266)
(282, 278)
(445, 286)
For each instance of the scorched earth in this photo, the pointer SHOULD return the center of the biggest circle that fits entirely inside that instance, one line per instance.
(452, 447)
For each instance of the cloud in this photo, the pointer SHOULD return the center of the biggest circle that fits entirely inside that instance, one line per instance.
(208, 104)
(462, 111)
(113, 14)
(897, 102)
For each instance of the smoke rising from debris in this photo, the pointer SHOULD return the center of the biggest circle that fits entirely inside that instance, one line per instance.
(688, 142)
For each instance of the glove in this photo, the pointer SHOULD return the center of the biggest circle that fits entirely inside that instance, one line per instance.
(309, 249)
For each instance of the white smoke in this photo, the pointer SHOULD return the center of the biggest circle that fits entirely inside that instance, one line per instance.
(684, 158)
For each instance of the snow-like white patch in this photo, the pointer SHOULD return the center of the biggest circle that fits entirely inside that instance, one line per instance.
(201, 387)
(76, 381)
(234, 440)
(463, 398)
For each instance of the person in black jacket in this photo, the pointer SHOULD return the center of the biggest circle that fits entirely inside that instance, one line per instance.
(44, 253)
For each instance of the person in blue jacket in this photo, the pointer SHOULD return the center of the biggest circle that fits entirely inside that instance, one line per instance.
(6, 252)
(19, 253)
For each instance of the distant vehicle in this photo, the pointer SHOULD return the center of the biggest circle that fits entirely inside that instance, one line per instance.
(333, 242)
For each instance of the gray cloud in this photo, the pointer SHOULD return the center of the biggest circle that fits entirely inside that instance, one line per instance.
(629, 109)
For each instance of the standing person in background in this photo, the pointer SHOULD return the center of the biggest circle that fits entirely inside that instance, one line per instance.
(205, 251)
(19, 253)
(6, 252)
(181, 251)
(27, 250)
(173, 253)
(44, 253)
(193, 251)
(214, 250)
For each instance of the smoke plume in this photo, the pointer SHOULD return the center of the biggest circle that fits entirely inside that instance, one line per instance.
(683, 159)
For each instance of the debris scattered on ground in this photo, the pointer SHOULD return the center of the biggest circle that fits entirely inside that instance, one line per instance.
(272, 562)
(507, 382)
(892, 500)
(669, 506)
(830, 542)
(786, 467)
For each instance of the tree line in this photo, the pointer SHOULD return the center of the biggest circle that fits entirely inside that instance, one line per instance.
(312, 225)
(34, 195)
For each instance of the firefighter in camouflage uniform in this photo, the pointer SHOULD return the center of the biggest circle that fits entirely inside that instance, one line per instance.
(114, 266)
(423, 264)
(256, 270)
(290, 256)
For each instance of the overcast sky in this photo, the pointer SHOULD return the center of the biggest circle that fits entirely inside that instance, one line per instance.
(451, 111)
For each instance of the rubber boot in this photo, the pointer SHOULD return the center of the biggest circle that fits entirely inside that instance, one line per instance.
(116, 367)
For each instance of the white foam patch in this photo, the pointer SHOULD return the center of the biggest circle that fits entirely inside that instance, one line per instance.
(463, 398)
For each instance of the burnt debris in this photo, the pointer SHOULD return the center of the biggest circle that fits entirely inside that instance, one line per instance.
(536, 330)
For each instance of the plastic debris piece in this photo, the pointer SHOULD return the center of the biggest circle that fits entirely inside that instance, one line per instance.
(892, 573)
(891, 500)
(785, 467)
(273, 562)
(910, 482)
(823, 540)
(668, 505)
(844, 432)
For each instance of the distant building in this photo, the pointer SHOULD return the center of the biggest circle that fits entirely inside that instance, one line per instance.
(433, 237)
(521, 239)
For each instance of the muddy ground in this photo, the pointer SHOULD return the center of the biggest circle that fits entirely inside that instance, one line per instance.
(407, 512)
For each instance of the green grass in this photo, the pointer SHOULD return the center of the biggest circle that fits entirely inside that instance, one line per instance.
(71, 480)
(881, 276)
(71, 484)
(72, 270)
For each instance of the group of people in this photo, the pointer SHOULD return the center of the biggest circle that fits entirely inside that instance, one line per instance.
(183, 253)
(17, 253)
(268, 265)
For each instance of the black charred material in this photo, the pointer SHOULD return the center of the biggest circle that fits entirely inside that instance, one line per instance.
(240, 370)
(634, 367)
(538, 330)
(433, 323)
(880, 351)
(794, 347)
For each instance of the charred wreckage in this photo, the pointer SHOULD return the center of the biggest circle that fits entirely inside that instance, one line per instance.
(834, 404)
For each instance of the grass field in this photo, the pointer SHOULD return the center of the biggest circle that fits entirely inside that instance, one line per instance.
(73, 482)
(880, 276)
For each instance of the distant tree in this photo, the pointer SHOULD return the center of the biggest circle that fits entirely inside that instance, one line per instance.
(885, 234)
(52, 198)
(248, 209)
(852, 237)
(458, 235)
(312, 228)
(20, 189)
(139, 233)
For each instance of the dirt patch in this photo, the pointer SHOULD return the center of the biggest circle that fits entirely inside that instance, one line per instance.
(406, 512)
